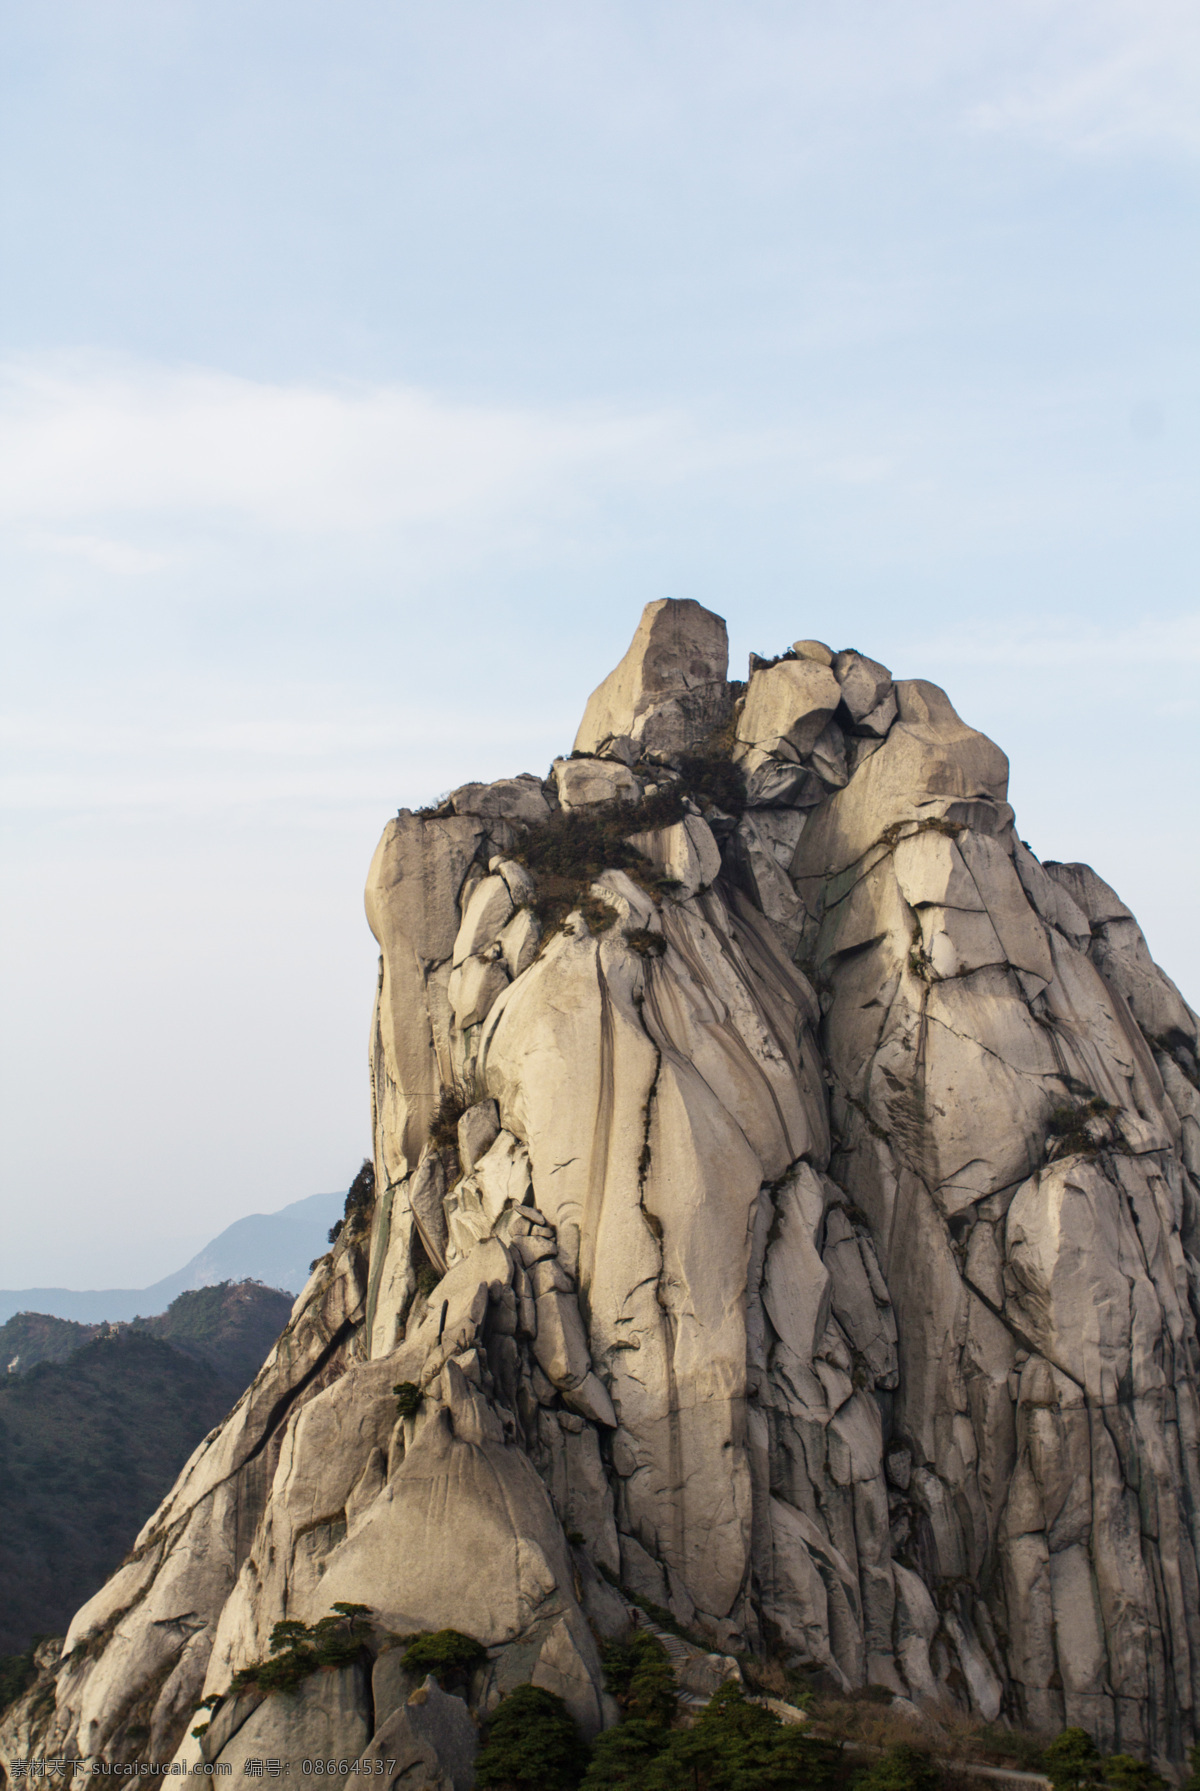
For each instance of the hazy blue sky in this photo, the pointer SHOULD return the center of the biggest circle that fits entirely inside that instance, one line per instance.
(365, 367)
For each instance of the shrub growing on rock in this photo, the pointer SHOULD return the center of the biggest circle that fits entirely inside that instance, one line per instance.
(901, 1768)
(735, 1745)
(361, 1192)
(622, 1757)
(532, 1745)
(443, 1132)
(638, 1673)
(1124, 1772)
(17, 1673)
(446, 1653)
(1082, 1131)
(1072, 1761)
(713, 777)
(569, 850)
(297, 1650)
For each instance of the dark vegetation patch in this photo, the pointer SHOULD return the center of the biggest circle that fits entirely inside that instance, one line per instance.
(360, 1199)
(448, 1654)
(296, 1650)
(90, 1446)
(532, 1744)
(582, 842)
(646, 943)
(567, 851)
(638, 1673)
(867, 1727)
(1081, 1130)
(903, 1767)
(18, 1672)
(1072, 1762)
(735, 1744)
(443, 1133)
(408, 1398)
(231, 1326)
(712, 776)
(427, 1279)
(28, 1338)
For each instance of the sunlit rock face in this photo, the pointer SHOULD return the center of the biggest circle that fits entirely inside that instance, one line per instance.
(789, 1217)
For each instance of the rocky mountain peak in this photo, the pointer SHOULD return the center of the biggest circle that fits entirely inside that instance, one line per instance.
(786, 1216)
(669, 691)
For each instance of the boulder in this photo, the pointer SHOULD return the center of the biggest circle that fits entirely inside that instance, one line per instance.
(474, 987)
(502, 1174)
(763, 874)
(427, 1743)
(486, 912)
(828, 756)
(786, 709)
(670, 691)
(582, 782)
(412, 907)
(931, 768)
(876, 723)
(813, 650)
(513, 798)
(519, 941)
(477, 1132)
(687, 853)
(782, 783)
(865, 684)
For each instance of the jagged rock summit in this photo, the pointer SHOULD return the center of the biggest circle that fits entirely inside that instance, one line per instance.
(785, 1212)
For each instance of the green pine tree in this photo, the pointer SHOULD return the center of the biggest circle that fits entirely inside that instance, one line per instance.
(532, 1745)
(1072, 1761)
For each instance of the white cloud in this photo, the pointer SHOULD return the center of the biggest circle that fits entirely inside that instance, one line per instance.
(1103, 77)
(142, 441)
(107, 555)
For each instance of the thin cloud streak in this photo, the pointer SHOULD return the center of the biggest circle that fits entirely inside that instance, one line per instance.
(1111, 79)
(1047, 646)
(147, 441)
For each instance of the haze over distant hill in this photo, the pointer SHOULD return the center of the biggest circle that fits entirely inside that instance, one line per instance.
(230, 1327)
(275, 1248)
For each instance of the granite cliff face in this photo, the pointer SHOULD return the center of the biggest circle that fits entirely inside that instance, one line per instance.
(794, 1223)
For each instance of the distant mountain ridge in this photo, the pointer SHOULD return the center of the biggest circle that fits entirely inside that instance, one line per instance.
(275, 1248)
(229, 1327)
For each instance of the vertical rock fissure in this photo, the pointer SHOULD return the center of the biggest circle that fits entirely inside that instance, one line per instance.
(601, 1141)
(675, 1472)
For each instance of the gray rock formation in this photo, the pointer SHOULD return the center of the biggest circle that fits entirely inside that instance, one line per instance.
(804, 1234)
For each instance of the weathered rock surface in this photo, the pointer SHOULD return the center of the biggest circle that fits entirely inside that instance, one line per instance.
(428, 1743)
(670, 690)
(819, 1256)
